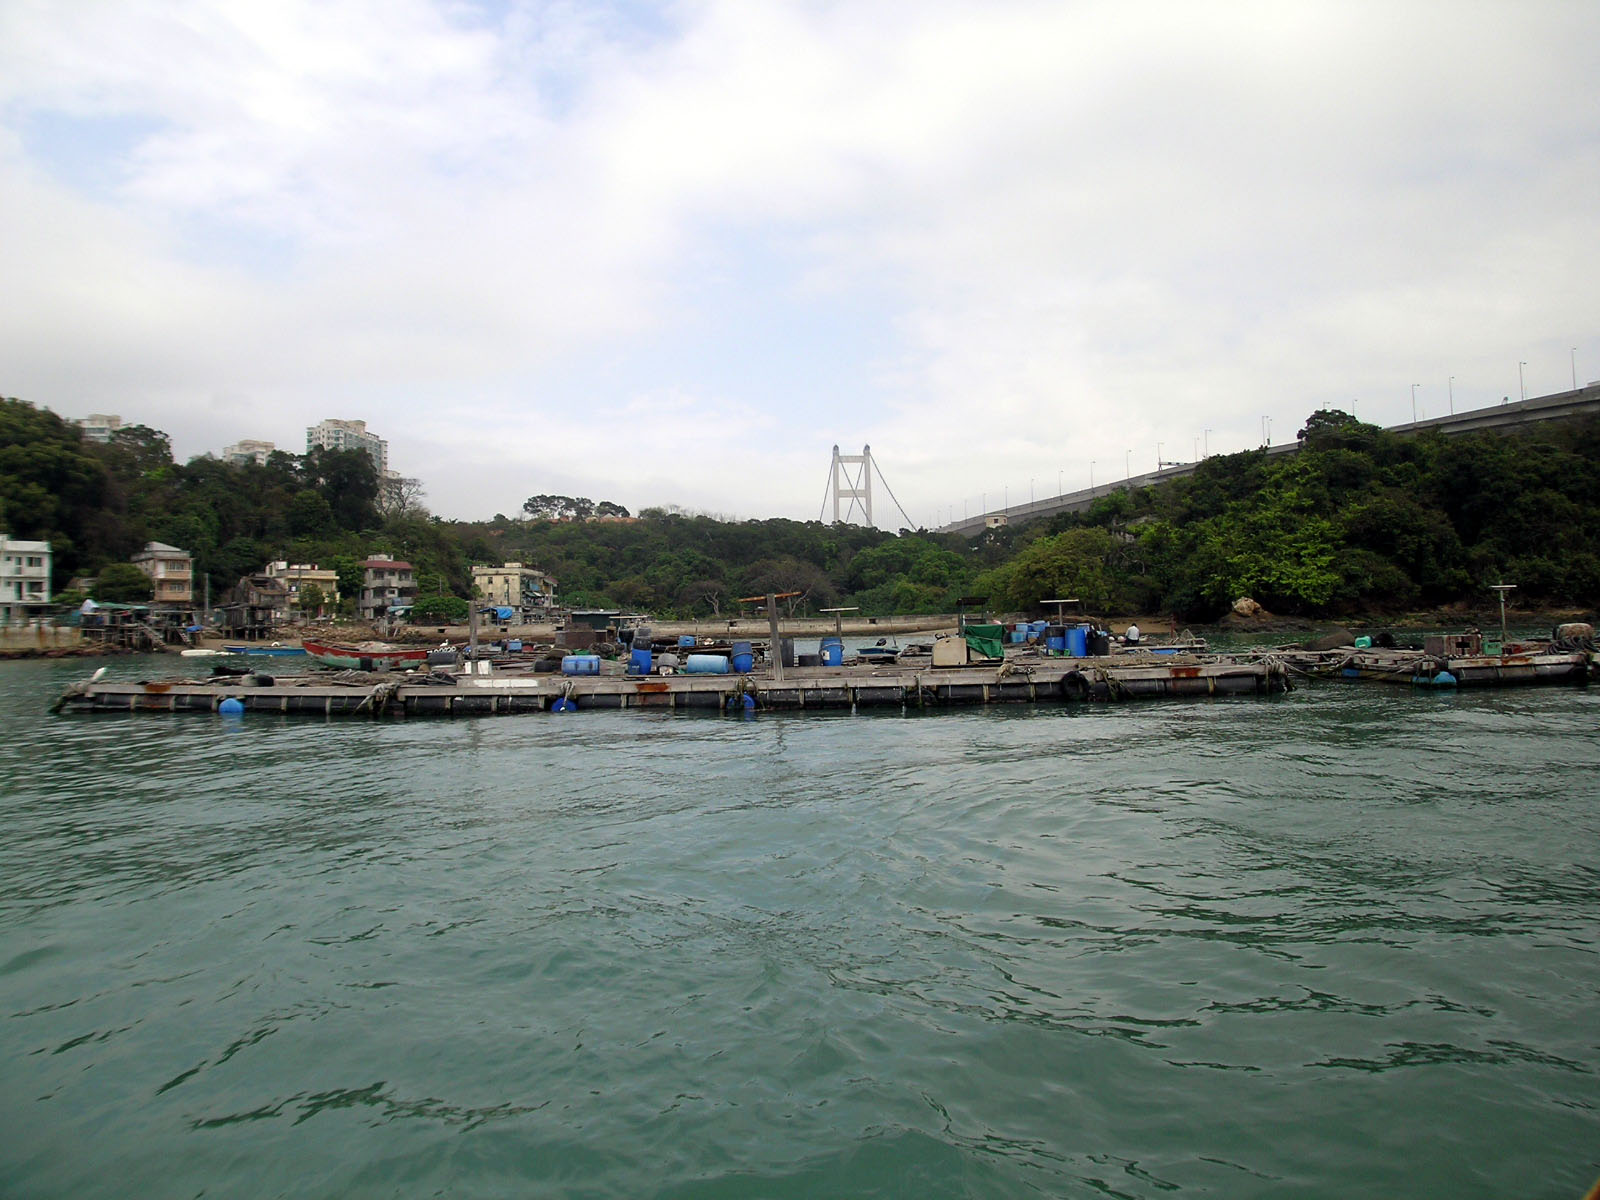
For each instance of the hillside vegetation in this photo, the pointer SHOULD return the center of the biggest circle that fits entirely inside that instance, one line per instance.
(1359, 520)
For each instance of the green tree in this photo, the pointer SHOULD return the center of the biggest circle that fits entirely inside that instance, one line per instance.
(123, 583)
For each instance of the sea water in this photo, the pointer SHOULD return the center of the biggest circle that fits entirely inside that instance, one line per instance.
(1337, 943)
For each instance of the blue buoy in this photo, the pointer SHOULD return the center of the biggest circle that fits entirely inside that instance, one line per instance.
(1444, 679)
(563, 705)
(231, 707)
(749, 702)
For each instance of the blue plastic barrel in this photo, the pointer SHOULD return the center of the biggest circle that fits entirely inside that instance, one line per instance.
(685, 641)
(706, 664)
(1018, 636)
(743, 657)
(1077, 641)
(580, 664)
(832, 650)
(639, 661)
(514, 646)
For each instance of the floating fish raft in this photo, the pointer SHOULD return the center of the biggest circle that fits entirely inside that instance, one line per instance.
(358, 693)
(1419, 668)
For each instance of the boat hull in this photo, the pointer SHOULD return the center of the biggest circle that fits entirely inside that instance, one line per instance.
(365, 658)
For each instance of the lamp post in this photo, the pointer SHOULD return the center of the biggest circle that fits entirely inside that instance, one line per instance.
(1207, 436)
(1197, 450)
(1522, 384)
(1574, 368)
(1452, 387)
(1414, 388)
(1127, 465)
(1091, 478)
(1059, 474)
(1158, 457)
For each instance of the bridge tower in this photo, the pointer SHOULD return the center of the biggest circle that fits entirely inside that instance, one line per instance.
(854, 486)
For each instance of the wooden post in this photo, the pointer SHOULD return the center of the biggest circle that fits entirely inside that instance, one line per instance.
(777, 643)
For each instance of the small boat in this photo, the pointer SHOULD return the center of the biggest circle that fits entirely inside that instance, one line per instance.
(882, 652)
(367, 656)
(200, 653)
(275, 648)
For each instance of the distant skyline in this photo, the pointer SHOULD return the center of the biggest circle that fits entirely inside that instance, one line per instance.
(673, 253)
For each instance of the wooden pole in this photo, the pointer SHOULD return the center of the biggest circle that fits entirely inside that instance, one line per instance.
(776, 653)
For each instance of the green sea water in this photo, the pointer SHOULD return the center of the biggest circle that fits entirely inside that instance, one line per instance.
(1344, 942)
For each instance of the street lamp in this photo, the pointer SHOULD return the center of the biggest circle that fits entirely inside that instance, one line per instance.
(1091, 477)
(1414, 388)
(1266, 431)
(1522, 385)
(1452, 386)
(1207, 436)
(1574, 368)
(1127, 465)
(1158, 457)
(1059, 474)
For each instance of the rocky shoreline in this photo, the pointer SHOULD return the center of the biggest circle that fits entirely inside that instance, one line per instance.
(1256, 621)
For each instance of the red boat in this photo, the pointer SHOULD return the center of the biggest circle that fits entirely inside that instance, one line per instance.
(366, 656)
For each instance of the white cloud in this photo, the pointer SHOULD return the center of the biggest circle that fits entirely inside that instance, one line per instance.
(994, 241)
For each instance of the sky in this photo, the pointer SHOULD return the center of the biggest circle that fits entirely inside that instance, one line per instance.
(673, 253)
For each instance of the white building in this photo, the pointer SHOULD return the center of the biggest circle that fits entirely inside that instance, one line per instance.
(98, 427)
(24, 579)
(247, 450)
(350, 435)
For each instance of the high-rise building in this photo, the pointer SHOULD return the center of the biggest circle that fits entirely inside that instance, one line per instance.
(350, 435)
(247, 450)
(98, 427)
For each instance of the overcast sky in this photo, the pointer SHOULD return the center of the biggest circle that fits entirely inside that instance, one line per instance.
(671, 253)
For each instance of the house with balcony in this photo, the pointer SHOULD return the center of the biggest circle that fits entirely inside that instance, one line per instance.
(529, 591)
(171, 570)
(24, 580)
(296, 576)
(387, 584)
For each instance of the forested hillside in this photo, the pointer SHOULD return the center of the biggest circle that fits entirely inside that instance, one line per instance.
(1359, 521)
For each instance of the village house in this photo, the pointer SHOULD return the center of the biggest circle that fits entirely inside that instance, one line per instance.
(172, 572)
(529, 591)
(296, 576)
(255, 606)
(24, 580)
(386, 585)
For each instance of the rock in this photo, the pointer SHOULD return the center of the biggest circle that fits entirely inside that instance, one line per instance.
(1246, 607)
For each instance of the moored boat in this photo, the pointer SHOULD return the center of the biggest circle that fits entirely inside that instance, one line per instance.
(366, 656)
(273, 649)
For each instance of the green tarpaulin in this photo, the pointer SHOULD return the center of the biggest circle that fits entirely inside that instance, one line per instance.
(986, 641)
